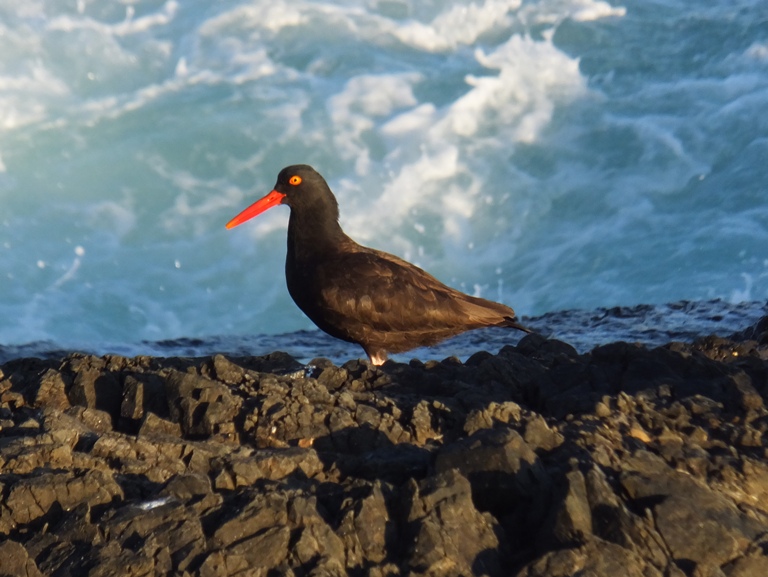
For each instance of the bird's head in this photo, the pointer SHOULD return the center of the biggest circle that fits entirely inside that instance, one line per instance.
(299, 186)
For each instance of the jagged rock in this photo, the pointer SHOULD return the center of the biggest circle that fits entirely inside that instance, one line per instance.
(202, 406)
(538, 461)
(151, 425)
(502, 469)
(93, 387)
(52, 392)
(34, 497)
(132, 406)
(449, 535)
(366, 528)
(15, 561)
(679, 503)
(597, 557)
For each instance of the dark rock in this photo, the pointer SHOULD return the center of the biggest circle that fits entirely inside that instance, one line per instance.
(256, 537)
(273, 464)
(52, 391)
(162, 531)
(226, 371)
(502, 469)
(184, 487)
(318, 548)
(757, 332)
(540, 436)
(613, 521)
(201, 406)
(679, 503)
(151, 425)
(538, 461)
(93, 387)
(744, 392)
(367, 528)
(753, 562)
(448, 535)
(95, 420)
(573, 516)
(34, 497)
(595, 558)
(132, 406)
(15, 561)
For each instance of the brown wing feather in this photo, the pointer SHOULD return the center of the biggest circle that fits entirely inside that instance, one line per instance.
(386, 293)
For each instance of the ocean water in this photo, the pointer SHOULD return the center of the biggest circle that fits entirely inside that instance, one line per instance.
(552, 155)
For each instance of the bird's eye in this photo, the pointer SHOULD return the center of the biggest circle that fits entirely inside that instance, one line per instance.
(294, 180)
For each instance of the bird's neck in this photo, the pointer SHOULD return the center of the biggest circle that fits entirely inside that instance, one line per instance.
(311, 233)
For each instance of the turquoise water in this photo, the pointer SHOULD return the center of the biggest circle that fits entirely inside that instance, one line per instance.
(561, 154)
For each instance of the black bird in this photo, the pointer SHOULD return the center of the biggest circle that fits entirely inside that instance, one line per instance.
(359, 294)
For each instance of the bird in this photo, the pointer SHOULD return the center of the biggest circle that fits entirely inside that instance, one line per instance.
(359, 294)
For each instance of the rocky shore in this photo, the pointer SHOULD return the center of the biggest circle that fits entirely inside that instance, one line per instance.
(535, 462)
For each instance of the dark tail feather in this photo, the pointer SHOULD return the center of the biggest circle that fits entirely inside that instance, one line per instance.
(511, 322)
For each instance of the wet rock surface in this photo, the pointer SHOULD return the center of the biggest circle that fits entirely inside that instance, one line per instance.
(537, 462)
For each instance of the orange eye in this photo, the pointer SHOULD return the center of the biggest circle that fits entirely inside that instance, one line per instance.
(294, 180)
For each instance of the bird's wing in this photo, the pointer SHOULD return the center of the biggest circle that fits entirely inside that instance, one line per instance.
(389, 294)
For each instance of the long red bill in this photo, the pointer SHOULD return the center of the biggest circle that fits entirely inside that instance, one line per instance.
(272, 199)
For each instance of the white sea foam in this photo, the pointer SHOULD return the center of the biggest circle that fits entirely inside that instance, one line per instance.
(128, 26)
(588, 10)
(757, 51)
(461, 24)
(513, 103)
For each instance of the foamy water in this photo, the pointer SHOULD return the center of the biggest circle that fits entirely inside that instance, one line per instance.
(552, 155)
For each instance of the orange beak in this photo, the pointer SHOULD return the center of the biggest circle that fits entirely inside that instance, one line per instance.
(272, 199)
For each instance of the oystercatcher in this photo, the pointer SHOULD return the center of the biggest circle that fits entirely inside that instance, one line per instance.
(358, 294)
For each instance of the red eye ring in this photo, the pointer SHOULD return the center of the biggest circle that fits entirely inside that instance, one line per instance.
(294, 180)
